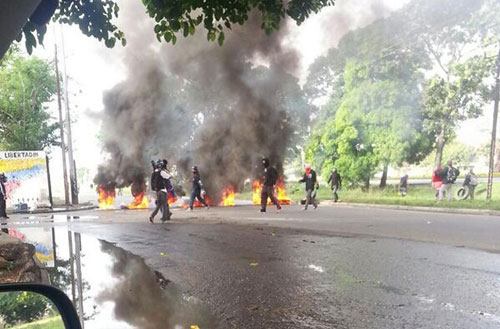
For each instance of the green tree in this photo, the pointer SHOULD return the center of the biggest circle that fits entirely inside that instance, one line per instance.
(26, 86)
(94, 18)
(23, 307)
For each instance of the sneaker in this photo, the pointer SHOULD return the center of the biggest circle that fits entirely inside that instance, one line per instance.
(151, 219)
(304, 208)
(263, 210)
(189, 209)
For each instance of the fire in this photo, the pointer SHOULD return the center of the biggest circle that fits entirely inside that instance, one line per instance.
(197, 204)
(228, 197)
(171, 199)
(280, 193)
(140, 202)
(106, 198)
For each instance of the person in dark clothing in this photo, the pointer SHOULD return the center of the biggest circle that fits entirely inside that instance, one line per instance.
(335, 182)
(197, 191)
(403, 185)
(311, 182)
(450, 175)
(160, 183)
(470, 183)
(3, 196)
(270, 178)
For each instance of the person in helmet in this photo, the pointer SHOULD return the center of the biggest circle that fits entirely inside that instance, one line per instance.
(197, 192)
(311, 181)
(160, 182)
(270, 178)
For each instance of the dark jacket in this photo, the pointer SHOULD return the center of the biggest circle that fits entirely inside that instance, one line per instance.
(446, 174)
(197, 184)
(335, 180)
(3, 192)
(270, 176)
(310, 180)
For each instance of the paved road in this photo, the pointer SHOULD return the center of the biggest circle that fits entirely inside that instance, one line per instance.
(334, 267)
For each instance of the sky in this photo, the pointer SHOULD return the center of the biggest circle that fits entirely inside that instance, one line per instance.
(92, 69)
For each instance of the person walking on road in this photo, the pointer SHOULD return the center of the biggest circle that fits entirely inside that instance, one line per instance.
(198, 192)
(450, 175)
(335, 182)
(270, 178)
(3, 196)
(311, 182)
(160, 181)
(470, 184)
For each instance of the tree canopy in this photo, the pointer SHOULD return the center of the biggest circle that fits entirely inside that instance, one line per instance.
(95, 18)
(26, 86)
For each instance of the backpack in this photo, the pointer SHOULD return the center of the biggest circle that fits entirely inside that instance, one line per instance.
(156, 181)
(452, 175)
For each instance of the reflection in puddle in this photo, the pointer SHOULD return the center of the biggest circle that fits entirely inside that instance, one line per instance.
(119, 290)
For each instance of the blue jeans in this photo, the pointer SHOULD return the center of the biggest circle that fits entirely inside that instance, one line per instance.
(196, 194)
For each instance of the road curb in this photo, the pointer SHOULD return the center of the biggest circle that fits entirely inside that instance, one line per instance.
(485, 212)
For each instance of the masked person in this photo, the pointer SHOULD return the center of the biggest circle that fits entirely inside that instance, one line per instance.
(198, 190)
(335, 182)
(3, 196)
(160, 182)
(270, 179)
(311, 181)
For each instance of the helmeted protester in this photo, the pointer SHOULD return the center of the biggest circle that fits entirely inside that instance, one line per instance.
(335, 182)
(160, 183)
(198, 191)
(270, 178)
(3, 196)
(450, 175)
(311, 181)
(437, 180)
(470, 183)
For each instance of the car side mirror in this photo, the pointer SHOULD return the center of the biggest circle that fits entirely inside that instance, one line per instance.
(33, 305)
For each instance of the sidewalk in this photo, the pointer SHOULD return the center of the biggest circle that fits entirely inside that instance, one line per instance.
(464, 211)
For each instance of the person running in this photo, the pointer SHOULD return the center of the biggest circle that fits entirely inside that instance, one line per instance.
(160, 181)
(270, 178)
(3, 196)
(450, 175)
(311, 182)
(198, 191)
(335, 182)
(470, 184)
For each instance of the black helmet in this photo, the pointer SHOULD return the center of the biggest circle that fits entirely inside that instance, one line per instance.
(265, 162)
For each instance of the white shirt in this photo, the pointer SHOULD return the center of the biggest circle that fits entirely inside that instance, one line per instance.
(165, 175)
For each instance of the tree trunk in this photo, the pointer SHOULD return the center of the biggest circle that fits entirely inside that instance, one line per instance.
(383, 180)
(439, 151)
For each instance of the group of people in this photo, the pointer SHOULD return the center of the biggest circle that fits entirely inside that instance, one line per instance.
(444, 178)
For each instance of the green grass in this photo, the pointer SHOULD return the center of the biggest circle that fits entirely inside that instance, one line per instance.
(47, 323)
(419, 195)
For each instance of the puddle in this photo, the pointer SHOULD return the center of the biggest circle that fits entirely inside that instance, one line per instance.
(118, 289)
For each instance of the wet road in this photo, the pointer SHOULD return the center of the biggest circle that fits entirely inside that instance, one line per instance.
(337, 267)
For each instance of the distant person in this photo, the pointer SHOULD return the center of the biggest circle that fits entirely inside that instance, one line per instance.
(3, 196)
(403, 185)
(160, 183)
(335, 182)
(197, 192)
(437, 180)
(311, 181)
(270, 178)
(470, 184)
(450, 175)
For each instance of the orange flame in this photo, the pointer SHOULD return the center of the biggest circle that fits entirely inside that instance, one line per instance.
(228, 197)
(140, 202)
(280, 193)
(106, 198)
(171, 199)
(197, 204)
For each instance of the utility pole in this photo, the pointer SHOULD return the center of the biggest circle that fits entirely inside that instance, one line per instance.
(61, 130)
(494, 129)
(72, 169)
